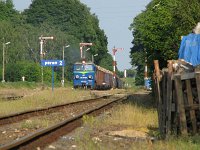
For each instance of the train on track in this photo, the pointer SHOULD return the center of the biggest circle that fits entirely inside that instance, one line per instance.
(89, 75)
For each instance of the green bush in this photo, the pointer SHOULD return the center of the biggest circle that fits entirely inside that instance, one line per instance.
(30, 70)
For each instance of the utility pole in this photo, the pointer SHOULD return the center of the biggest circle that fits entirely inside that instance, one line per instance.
(81, 47)
(3, 69)
(63, 68)
(42, 40)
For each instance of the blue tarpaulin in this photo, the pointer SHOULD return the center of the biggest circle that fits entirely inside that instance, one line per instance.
(190, 49)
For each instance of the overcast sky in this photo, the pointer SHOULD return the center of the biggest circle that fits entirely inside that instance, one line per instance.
(115, 17)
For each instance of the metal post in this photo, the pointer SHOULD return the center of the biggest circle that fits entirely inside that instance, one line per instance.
(114, 65)
(85, 52)
(63, 68)
(81, 51)
(114, 62)
(146, 84)
(93, 57)
(3, 63)
(81, 47)
(41, 57)
(52, 78)
(3, 70)
(42, 39)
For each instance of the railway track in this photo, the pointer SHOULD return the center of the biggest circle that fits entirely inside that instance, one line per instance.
(16, 117)
(50, 134)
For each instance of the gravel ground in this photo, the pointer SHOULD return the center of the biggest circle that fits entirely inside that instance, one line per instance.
(114, 137)
(18, 130)
(87, 138)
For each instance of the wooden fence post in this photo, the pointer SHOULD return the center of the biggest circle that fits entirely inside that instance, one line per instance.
(197, 76)
(158, 92)
(190, 102)
(169, 97)
(180, 104)
(164, 100)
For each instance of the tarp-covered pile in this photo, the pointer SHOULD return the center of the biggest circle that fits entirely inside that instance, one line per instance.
(190, 49)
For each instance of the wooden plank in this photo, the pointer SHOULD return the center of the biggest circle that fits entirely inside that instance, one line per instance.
(169, 96)
(174, 115)
(164, 101)
(180, 105)
(192, 107)
(197, 76)
(190, 102)
(186, 75)
(157, 70)
(173, 107)
(159, 106)
(158, 93)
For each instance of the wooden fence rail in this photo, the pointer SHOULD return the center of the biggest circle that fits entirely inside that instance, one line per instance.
(178, 100)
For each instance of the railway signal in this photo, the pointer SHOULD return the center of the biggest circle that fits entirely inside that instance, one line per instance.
(42, 40)
(114, 59)
(81, 47)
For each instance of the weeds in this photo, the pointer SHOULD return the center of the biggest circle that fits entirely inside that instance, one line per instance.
(34, 124)
(86, 142)
(41, 98)
(88, 120)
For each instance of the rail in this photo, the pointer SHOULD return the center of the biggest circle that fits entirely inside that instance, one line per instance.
(31, 141)
(15, 117)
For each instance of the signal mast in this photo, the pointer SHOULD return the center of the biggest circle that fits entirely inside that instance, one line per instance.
(114, 59)
(81, 47)
(42, 40)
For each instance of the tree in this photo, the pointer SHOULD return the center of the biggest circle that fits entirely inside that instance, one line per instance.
(69, 21)
(72, 18)
(158, 30)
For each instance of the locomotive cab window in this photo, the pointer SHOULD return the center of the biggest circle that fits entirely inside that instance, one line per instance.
(83, 67)
(88, 67)
(78, 67)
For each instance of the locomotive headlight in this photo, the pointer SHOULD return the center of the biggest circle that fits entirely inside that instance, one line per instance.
(90, 77)
(77, 77)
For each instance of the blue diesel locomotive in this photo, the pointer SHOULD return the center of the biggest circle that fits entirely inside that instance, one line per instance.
(89, 75)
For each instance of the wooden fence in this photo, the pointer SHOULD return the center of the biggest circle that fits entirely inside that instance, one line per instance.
(178, 100)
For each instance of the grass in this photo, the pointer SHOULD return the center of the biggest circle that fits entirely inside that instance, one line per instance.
(39, 98)
(138, 114)
(34, 124)
(129, 82)
(30, 85)
(128, 115)
(174, 143)
(18, 85)
(86, 142)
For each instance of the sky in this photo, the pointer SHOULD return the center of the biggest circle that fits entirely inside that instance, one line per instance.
(115, 17)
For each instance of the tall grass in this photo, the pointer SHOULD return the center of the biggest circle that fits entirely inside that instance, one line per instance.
(134, 116)
(18, 85)
(39, 98)
(139, 114)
